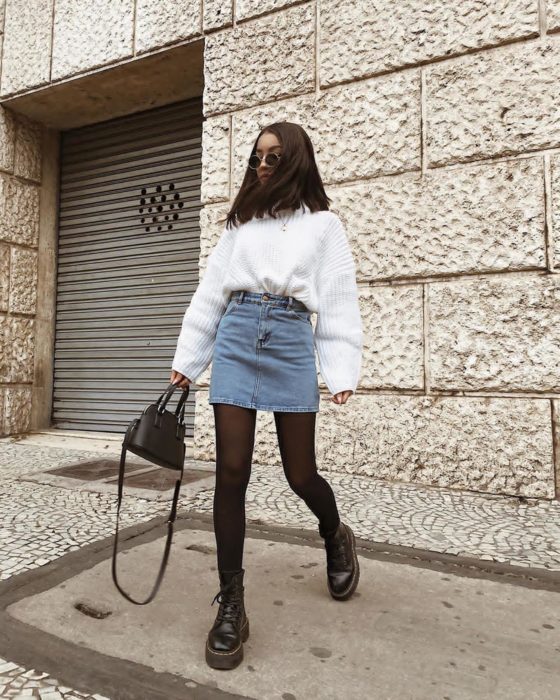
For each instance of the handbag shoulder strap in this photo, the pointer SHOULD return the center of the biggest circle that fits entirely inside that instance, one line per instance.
(170, 521)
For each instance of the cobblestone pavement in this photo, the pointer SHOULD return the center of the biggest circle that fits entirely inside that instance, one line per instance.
(42, 521)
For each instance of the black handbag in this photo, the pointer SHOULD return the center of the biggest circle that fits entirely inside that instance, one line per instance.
(159, 437)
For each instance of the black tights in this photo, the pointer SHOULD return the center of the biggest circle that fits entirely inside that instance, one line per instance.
(235, 436)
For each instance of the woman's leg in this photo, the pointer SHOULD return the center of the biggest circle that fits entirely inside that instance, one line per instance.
(296, 440)
(235, 437)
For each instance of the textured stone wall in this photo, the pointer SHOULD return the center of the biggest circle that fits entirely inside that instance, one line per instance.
(20, 180)
(436, 129)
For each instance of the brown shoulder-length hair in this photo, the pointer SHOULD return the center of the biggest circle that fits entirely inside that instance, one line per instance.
(295, 180)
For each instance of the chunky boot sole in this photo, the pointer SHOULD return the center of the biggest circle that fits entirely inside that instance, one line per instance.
(355, 577)
(228, 659)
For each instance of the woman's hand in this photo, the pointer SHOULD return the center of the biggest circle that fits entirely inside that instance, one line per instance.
(179, 379)
(342, 396)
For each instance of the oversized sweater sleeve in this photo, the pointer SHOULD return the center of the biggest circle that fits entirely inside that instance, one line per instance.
(195, 345)
(338, 331)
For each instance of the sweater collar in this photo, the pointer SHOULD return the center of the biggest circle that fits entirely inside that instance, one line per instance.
(300, 211)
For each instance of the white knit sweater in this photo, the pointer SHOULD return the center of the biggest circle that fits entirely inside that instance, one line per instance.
(311, 261)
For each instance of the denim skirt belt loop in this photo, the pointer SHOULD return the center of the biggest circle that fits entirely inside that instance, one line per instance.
(264, 354)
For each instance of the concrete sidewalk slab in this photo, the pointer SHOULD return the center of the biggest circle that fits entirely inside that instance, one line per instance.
(408, 632)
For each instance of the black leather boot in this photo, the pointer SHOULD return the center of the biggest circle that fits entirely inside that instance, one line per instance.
(224, 646)
(343, 569)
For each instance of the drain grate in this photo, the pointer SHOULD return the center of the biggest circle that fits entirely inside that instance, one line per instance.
(140, 476)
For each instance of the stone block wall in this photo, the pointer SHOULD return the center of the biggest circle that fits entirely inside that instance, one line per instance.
(436, 130)
(20, 182)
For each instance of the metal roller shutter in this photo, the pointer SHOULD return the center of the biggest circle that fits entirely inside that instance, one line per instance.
(128, 250)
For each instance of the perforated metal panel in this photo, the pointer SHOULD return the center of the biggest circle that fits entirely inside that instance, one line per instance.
(129, 243)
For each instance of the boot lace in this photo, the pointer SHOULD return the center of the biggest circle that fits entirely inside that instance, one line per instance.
(229, 599)
(338, 551)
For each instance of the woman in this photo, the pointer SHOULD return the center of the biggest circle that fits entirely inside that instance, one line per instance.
(281, 255)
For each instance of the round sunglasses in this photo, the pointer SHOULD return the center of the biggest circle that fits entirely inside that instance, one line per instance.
(271, 159)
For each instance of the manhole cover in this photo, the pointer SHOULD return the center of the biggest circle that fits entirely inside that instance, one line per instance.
(91, 471)
(161, 479)
(140, 476)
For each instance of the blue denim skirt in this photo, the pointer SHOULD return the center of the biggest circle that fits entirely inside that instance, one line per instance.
(264, 354)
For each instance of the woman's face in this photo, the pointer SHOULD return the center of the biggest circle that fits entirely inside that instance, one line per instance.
(267, 143)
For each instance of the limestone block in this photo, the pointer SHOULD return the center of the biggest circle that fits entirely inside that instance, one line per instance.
(556, 438)
(495, 334)
(17, 410)
(3, 430)
(216, 134)
(17, 349)
(553, 15)
(359, 130)
(212, 223)
(23, 281)
(555, 206)
(392, 319)
(217, 14)
(493, 103)
(26, 57)
(28, 151)
(7, 139)
(19, 211)
(244, 66)
(479, 218)
(362, 37)
(490, 445)
(250, 8)
(88, 35)
(4, 276)
(161, 22)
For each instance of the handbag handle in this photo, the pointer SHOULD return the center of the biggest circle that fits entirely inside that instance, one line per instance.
(180, 404)
(172, 513)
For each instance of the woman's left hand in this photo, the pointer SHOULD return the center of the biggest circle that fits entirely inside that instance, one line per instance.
(342, 396)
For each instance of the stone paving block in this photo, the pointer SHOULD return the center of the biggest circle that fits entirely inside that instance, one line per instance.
(487, 217)
(89, 35)
(286, 67)
(26, 45)
(165, 22)
(380, 118)
(443, 627)
(493, 103)
(360, 38)
(498, 334)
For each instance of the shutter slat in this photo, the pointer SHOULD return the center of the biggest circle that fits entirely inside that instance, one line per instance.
(122, 283)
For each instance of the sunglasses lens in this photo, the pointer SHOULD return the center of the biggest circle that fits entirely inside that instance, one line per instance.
(271, 159)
